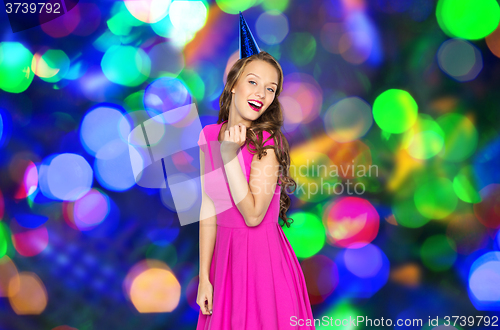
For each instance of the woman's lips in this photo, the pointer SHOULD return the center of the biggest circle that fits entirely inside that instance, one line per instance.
(254, 108)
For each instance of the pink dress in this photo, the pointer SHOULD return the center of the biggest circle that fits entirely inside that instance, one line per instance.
(258, 282)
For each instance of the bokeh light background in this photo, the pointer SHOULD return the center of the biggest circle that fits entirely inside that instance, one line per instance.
(400, 95)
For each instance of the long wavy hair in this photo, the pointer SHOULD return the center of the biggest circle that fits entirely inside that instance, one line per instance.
(271, 121)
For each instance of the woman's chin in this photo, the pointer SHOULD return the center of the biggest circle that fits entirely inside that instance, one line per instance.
(255, 116)
(252, 115)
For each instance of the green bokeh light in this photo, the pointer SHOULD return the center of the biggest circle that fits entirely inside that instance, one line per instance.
(464, 185)
(274, 50)
(126, 65)
(106, 40)
(407, 215)
(306, 234)
(303, 47)
(118, 25)
(4, 239)
(209, 75)
(460, 137)
(436, 199)
(468, 19)
(279, 5)
(122, 21)
(194, 83)
(127, 18)
(423, 53)
(425, 139)
(167, 253)
(340, 311)
(395, 111)
(15, 67)
(235, 6)
(438, 252)
(134, 101)
(56, 59)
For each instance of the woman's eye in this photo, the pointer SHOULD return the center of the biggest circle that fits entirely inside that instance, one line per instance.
(269, 89)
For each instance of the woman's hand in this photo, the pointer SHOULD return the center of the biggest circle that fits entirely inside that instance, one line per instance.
(234, 138)
(205, 297)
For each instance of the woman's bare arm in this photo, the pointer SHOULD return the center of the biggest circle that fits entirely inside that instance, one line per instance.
(208, 226)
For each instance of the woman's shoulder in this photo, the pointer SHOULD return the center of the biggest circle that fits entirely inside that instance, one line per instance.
(266, 135)
(208, 133)
(209, 129)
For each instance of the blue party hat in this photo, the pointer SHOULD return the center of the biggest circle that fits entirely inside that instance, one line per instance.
(248, 46)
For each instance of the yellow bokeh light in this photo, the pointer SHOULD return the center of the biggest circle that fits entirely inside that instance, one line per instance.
(29, 296)
(155, 291)
(8, 276)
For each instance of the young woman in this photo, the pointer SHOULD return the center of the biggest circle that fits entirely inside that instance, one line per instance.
(250, 277)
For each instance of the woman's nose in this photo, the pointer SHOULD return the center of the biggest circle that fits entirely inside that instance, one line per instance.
(260, 94)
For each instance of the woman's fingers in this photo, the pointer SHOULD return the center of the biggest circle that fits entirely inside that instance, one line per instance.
(236, 133)
(206, 305)
(204, 308)
(243, 133)
(210, 306)
(204, 298)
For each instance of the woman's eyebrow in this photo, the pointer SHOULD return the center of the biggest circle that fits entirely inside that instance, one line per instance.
(260, 78)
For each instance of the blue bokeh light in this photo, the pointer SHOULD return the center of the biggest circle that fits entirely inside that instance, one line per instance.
(65, 177)
(102, 125)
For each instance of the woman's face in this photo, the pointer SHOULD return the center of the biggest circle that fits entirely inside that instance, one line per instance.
(255, 87)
